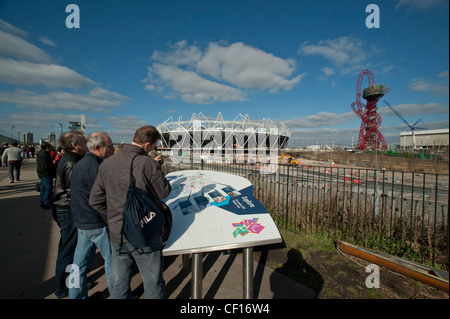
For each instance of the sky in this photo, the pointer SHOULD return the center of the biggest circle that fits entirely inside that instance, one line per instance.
(133, 63)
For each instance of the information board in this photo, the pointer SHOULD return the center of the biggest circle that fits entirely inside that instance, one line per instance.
(215, 211)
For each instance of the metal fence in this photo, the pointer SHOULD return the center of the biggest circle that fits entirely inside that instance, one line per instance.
(401, 213)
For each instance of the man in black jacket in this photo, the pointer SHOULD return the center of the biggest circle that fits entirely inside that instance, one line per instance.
(45, 170)
(74, 145)
(108, 196)
(91, 225)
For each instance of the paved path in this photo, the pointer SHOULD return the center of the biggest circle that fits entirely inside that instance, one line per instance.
(29, 241)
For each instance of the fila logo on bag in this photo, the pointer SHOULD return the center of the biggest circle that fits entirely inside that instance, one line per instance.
(146, 219)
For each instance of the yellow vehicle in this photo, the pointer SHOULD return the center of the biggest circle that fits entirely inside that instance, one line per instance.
(290, 161)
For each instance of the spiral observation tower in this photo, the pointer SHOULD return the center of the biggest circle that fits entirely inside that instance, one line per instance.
(370, 136)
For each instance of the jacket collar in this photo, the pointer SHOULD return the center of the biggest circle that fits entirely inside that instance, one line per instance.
(92, 155)
(133, 149)
(75, 157)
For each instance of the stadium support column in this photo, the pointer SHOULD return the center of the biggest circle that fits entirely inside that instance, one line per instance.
(196, 141)
(83, 124)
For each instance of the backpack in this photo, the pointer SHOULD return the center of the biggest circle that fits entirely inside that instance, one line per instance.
(143, 216)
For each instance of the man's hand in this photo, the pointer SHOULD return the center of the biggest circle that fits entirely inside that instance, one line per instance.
(158, 158)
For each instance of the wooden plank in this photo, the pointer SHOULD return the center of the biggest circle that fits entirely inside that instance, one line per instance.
(397, 266)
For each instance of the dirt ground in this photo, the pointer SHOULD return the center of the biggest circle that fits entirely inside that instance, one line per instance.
(332, 274)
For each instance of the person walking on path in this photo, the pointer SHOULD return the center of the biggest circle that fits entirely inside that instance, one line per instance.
(108, 196)
(91, 225)
(3, 147)
(13, 156)
(32, 150)
(74, 145)
(46, 171)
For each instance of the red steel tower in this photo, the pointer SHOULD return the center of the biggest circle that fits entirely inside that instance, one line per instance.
(369, 134)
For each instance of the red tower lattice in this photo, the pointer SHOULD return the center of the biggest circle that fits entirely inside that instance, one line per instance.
(369, 134)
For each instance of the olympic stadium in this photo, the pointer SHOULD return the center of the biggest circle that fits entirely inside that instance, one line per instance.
(203, 134)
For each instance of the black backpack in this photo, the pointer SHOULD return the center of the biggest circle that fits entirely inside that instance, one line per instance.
(143, 216)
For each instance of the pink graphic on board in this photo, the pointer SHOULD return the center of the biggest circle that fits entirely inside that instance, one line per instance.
(247, 226)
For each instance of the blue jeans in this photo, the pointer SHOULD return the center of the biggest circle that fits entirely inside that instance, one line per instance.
(84, 255)
(46, 190)
(149, 260)
(14, 166)
(66, 249)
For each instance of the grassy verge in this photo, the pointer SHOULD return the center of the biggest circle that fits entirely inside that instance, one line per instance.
(313, 261)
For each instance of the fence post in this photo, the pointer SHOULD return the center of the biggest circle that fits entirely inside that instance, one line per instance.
(435, 218)
(287, 196)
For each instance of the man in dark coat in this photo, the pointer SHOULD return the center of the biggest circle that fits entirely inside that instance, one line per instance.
(74, 145)
(46, 171)
(91, 225)
(108, 196)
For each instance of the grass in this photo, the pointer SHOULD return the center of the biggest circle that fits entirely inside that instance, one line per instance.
(312, 260)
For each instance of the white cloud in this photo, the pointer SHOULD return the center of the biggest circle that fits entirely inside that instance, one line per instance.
(9, 28)
(443, 74)
(321, 119)
(327, 119)
(124, 127)
(420, 5)
(323, 136)
(45, 40)
(327, 71)
(343, 51)
(18, 48)
(413, 109)
(179, 54)
(437, 88)
(97, 99)
(248, 67)
(321, 127)
(30, 73)
(24, 64)
(387, 68)
(219, 74)
(192, 87)
(127, 123)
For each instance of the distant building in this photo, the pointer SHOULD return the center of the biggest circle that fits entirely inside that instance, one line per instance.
(429, 139)
(393, 146)
(318, 148)
(51, 138)
(27, 138)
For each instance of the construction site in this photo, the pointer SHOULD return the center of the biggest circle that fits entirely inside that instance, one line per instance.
(393, 200)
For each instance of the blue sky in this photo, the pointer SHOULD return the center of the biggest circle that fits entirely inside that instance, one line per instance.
(132, 63)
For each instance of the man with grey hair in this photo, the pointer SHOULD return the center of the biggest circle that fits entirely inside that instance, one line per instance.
(91, 225)
(74, 145)
(108, 196)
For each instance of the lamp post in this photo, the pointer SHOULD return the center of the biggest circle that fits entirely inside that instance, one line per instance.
(332, 146)
(376, 151)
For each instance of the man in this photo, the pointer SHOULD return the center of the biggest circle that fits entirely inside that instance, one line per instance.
(3, 147)
(46, 171)
(91, 225)
(108, 196)
(13, 156)
(74, 145)
(32, 151)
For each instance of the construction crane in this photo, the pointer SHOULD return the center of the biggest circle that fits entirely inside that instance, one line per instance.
(412, 127)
